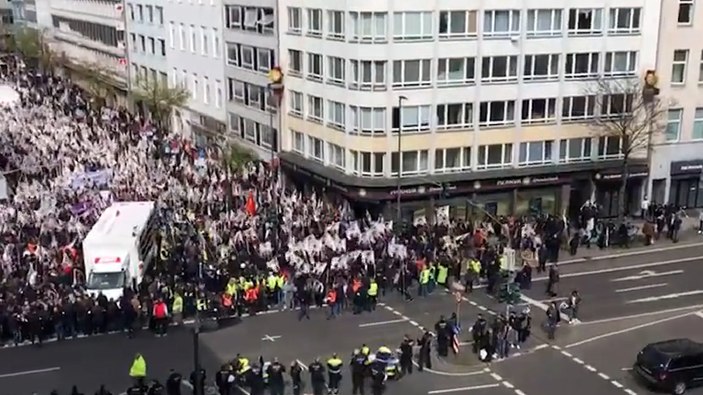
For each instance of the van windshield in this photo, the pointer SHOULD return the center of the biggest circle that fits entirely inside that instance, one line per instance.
(653, 359)
(113, 280)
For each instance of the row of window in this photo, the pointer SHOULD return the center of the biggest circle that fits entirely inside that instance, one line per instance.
(259, 20)
(147, 45)
(675, 122)
(146, 13)
(149, 74)
(450, 160)
(106, 35)
(425, 25)
(203, 40)
(250, 58)
(254, 132)
(200, 87)
(453, 116)
(250, 95)
(417, 73)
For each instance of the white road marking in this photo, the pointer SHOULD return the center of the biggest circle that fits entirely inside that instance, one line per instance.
(568, 354)
(647, 274)
(631, 392)
(616, 383)
(667, 296)
(508, 385)
(302, 365)
(578, 361)
(622, 268)
(496, 377)
(451, 374)
(541, 346)
(482, 308)
(626, 330)
(396, 312)
(626, 369)
(245, 392)
(475, 387)
(647, 314)
(519, 392)
(632, 253)
(413, 323)
(382, 323)
(270, 338)
(603, 376)
(641, 287)
(533, 302)
(699, 314)
(590, 368)
(28, 372)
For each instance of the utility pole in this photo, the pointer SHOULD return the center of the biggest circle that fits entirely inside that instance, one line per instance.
(197, 390)
(399, 212)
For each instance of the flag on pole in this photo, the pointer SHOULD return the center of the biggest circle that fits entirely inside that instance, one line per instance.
(456, 330)
(251, 204)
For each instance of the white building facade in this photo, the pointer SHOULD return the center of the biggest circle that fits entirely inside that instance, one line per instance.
(195, 58)
(479, 91)
(146, 43)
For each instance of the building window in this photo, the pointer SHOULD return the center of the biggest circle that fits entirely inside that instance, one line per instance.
(455, 71)
(685, 16)
(296, 106)
(335, 155)
(575, 150)
(535, 153)
(624, 21)
(267, 136)
(237, 91)
(159, 15)
(620, 64)
(234, 17)
(315, 111)
(204, 44)
(196, 86)
(264, 59)
(314, 22)
(581, 65)
(616, 105)
(413, 119)
(368, 120)
(335, 114)
(295, 62)
(495, 156)
(232, 55)
(316, 149)
(298, 142)
(162, 47)
(193, 38)
(499, 68)
(251, 130)
(171, 35)
(182, 37)
(215, 43)
(368, 75)
(207, 91)
(218, 94)
(544, 23)
(497, 113)
(678, 67)
(295, 20)
(140, 12)
(367, 164)
(501, 23)
(235, 123)
(698, 124)
(130, 7)
(247, 57)
(411, 73)
(585, 22)
(369, 26)
(673, 124)
(412, 163)
(314, 67)
(335, 25)
(255, 97)
(541, 67)
(412, 26)
(578, 108)
(457, 24)
(538, 111)
(455, 116)
(335, 71)
(450, 160)
(609, 147)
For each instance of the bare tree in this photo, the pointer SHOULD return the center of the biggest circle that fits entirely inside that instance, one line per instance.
(625, 110)
(159, 98)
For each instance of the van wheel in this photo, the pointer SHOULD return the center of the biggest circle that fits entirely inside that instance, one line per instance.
(679, 388)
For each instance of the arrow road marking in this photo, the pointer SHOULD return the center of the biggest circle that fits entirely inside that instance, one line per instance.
(270, 338)
(647, 274)
(665, 297)
(641, 287)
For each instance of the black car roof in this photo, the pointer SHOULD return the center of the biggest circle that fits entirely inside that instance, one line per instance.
(676, 347)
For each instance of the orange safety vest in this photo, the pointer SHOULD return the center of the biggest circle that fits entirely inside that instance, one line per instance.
(332, 296)
(356, 285)
(226, 300)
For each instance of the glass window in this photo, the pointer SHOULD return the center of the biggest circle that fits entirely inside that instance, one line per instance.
(673, 124)
(698, 124)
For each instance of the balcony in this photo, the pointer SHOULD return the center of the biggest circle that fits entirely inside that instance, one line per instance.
(102, 12)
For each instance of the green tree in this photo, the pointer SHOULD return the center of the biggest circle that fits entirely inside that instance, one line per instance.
(29, 43)
(97, 81)
(158, 97)
(237, 157)
(626, 113)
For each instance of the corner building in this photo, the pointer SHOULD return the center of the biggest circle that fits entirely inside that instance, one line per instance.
(488, 96)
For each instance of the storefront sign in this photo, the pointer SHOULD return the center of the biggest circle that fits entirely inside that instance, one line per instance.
(687, 167)
(619, 176)
(423, 190)
(528, 181)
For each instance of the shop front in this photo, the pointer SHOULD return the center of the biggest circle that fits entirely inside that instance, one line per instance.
(608, 183)
(686, 186)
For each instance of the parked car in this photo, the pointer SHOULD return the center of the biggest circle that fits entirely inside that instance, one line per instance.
(672, 365)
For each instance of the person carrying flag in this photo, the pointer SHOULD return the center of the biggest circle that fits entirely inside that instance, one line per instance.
(454, 329)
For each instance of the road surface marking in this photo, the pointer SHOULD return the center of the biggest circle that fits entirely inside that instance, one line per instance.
(647, 274)
(622, 268)
(496, 377)
(508, 385)
(28, 372)
(641, 287)
(699, 314)
(616, 383)
(245, 392)
(647, 314)
(398, 313)
(270, 338)
(626, 330)
(382, 323)
(590, 368)
(518, 392)
(631, 392)
(302, 365)
(533, 302)
(604, 376)
(631, 253)
(568, 354)
(667, 296)
(578, 361)
(626, 369)
(475, 387)
(541, 346)
(594, 370)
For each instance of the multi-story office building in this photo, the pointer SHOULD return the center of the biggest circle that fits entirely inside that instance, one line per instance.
(146, 43)
(195, 61)
(490, 100)
(91, 33)
(251, 39)
(677, 154)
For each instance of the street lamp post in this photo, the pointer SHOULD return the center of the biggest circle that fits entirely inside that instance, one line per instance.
(399, 214)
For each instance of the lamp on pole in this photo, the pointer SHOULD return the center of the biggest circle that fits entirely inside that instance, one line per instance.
(399, 213)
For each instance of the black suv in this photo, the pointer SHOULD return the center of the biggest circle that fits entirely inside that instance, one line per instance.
(672, 365)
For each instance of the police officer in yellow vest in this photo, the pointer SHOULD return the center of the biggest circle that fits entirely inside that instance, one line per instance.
(442, 273)
(242, 365)
(271, 283)
(373, 293)
(177, 309)
(424, 282)
(334, 372)
(138, 370)
(473, 273)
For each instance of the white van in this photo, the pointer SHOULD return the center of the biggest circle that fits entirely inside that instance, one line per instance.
(119, 248)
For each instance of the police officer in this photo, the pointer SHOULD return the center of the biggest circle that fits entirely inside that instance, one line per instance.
(406, 355)
(173, 383)
(478, 331)
(223, 379)
(442, 329)
(334, 370)
(358, 371)
(317, 377)
(255, 380)
(425, 343)
(155, 388)
(378, 378)
(136, 389)
(197, 379)
(275, 372)
(296, 373)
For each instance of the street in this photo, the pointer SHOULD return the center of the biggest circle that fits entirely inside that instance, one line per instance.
(628, 301)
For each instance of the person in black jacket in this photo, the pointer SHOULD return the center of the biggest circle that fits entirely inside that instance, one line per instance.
(173, 383)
